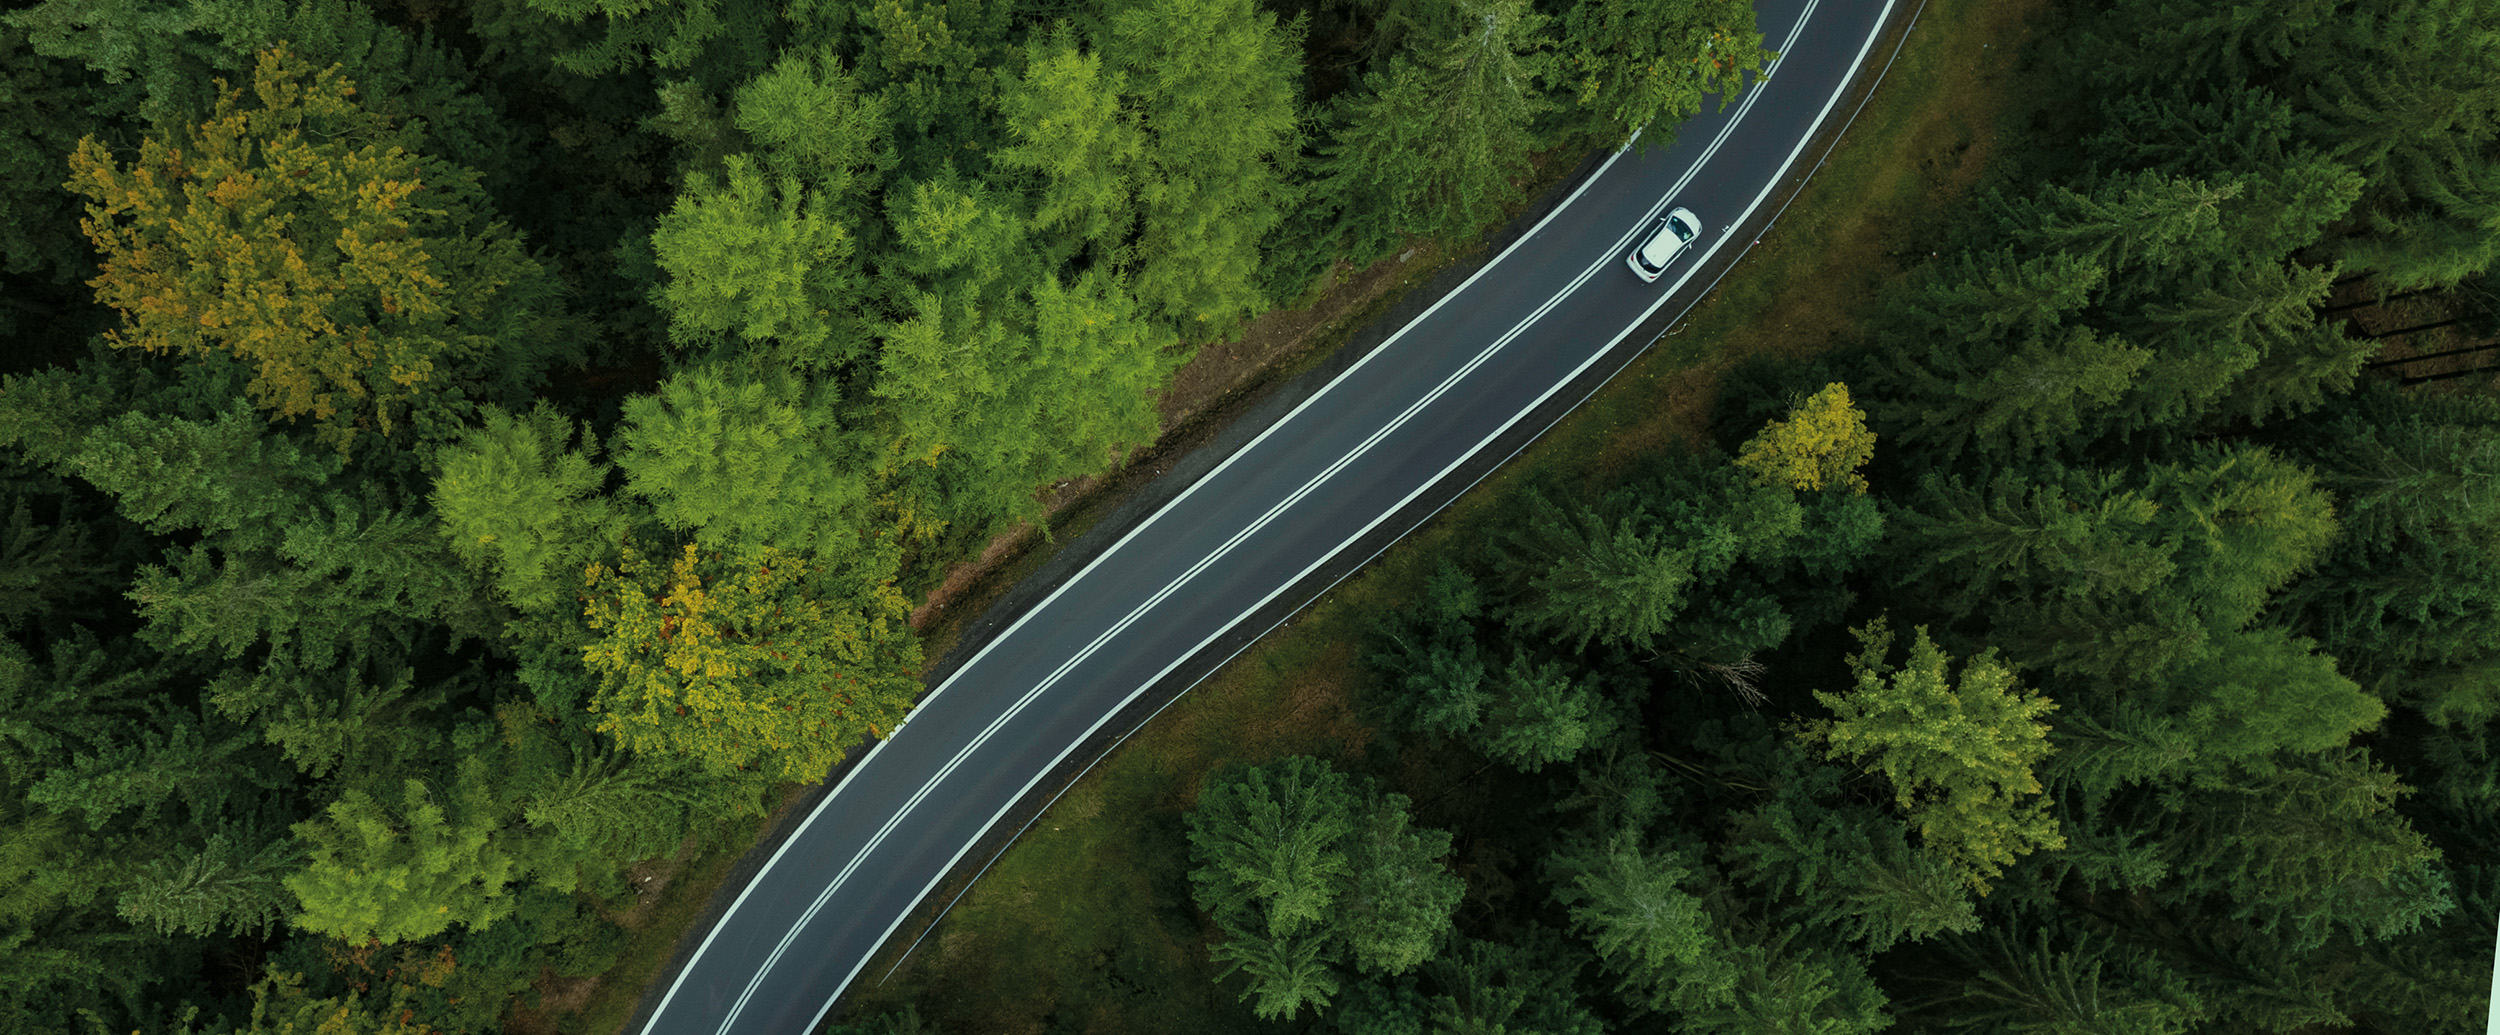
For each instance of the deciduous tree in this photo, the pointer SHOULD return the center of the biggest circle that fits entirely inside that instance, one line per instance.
(735, 658)
(1823, 441)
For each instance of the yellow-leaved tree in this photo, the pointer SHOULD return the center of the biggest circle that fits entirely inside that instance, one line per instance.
(1823, 442)
(1957, 749)
(294, 233)
(731, 657)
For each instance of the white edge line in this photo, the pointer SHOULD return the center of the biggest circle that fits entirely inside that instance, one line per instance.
(1168, 506)
(1609, 347)
(662, 1008)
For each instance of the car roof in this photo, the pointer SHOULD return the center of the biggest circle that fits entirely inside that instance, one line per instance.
(1662, 245)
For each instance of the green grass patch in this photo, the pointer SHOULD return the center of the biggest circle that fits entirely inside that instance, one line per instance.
(1087, 924)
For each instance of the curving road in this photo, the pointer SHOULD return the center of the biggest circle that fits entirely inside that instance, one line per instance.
(1322, 479)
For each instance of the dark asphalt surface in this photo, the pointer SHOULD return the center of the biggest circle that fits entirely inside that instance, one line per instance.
(1559, 300)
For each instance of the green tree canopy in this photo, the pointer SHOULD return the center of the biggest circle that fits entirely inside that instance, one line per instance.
(1638, 66)
(731, 658)
(517, 498)
(1435, 142)
(404, 870)
(1957, 748)
(301, 237)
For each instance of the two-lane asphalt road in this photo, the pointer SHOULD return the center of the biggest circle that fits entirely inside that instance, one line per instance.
(1325, 476)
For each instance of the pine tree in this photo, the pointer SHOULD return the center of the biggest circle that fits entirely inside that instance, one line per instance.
(1957, 749)
(1588, 579)
(2095, 985)
(2304, 849)
(1490, 988)
(1630, 903)
(1006, 377)
(809, 118)
(1286, 972)
(404, 870)
(230, 478)
(1434, 143)
(1213, 83)
(674, 36)
(2019, 540)
(342, 268)
(1540, 714)
(56, 940)
(1842, 864)
(1266, 842)
(1783, 988)
(516, 498)
(1072, 132)
(765, 259)
(728, 458)
(1637, 66)
(1398, 898)
(230, 883)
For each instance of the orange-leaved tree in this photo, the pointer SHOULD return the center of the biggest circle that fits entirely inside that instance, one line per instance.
(731, 658)
(294, 233)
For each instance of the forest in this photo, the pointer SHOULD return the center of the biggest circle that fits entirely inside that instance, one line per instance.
(457, 450)
(2105, 637)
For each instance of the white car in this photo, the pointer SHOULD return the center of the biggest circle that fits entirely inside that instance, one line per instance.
(1675, 233)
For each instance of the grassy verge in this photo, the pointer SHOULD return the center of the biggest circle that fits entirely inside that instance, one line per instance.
(1087, 923)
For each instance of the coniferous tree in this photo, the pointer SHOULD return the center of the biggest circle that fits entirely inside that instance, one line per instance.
(1397, 900)
(1266, 843)
(1490, 987)
(517, 498)
(1636, 66)
(2094, 985)
(232, 882)
(1844, 864)
(734, 657)
(405, 870)
(1213, 82)
(1434, 142)
(763, 258)
(1957, 749)
(342, 268)
(730, 459)
(1631, 904)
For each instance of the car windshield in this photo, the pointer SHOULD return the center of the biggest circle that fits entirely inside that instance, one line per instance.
(1682, 232)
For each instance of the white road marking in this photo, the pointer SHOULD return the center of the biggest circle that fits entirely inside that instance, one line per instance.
(928, 786)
